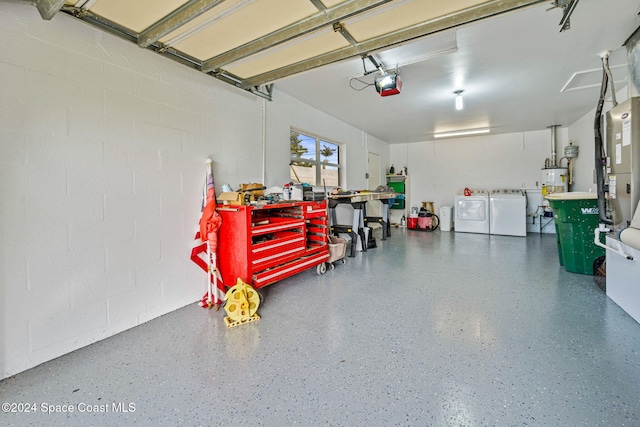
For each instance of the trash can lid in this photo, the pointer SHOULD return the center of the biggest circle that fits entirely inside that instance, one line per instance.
(575, 195)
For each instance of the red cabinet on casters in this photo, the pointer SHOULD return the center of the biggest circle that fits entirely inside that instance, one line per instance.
(264, 244)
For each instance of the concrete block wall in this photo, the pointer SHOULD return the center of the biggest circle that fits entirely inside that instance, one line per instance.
(101, 175)
(102, 167)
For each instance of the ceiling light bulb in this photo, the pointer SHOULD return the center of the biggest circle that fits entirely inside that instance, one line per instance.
(459, 104)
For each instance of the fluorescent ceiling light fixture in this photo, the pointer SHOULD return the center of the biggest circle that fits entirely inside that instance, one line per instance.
(461, 132)
(459, 104)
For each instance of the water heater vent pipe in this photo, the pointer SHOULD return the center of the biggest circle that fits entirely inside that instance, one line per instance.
(554, 163)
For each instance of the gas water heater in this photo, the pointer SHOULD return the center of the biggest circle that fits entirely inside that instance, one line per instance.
(554, 178)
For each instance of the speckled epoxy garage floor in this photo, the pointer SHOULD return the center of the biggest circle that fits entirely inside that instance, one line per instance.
(428, 329)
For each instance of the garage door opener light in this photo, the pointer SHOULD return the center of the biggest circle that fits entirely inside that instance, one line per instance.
(388, 84)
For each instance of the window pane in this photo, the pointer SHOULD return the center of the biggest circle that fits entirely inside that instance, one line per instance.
(329, 152)
(329, 176)
(313, 160)
(303, 146)
(303, 174)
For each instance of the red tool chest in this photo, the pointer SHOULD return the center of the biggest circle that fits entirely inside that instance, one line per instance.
(264, 244)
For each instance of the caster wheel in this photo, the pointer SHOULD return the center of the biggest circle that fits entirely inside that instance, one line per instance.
(344, 260)
(331, 266)
(322, 268)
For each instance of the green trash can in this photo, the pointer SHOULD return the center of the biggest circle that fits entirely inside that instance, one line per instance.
(576, 217)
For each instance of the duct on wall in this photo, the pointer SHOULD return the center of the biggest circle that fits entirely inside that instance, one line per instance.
(600, 155)
(633, 62)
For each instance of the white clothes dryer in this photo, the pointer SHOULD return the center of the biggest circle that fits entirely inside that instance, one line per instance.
(472, 212)
(508, 213)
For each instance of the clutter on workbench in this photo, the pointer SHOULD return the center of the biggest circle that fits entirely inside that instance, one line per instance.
(245, 194)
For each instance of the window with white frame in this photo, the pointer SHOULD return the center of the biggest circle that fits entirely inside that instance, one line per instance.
(314, 160)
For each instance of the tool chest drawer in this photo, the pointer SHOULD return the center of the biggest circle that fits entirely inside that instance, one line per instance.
(264, 244)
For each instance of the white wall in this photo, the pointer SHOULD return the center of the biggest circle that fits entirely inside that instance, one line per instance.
(101, 172)
(439, 170)
(286, 111)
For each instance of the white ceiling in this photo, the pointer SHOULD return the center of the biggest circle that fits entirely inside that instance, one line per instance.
(511, 67)
(507, 56)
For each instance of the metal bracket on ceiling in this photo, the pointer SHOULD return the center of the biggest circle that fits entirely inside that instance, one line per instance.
(555, 4)
(77, 12)
(567, 6)
(48, 8)
(80, 9)
(265, 93)
(364, 66)
(269, 89)
(376, 63)
(339, 27)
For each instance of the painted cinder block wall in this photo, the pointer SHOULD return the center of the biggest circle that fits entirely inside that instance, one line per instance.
(102, 150)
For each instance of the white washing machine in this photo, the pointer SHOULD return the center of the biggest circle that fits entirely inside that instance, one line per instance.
(508, 213)
(472, 212)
